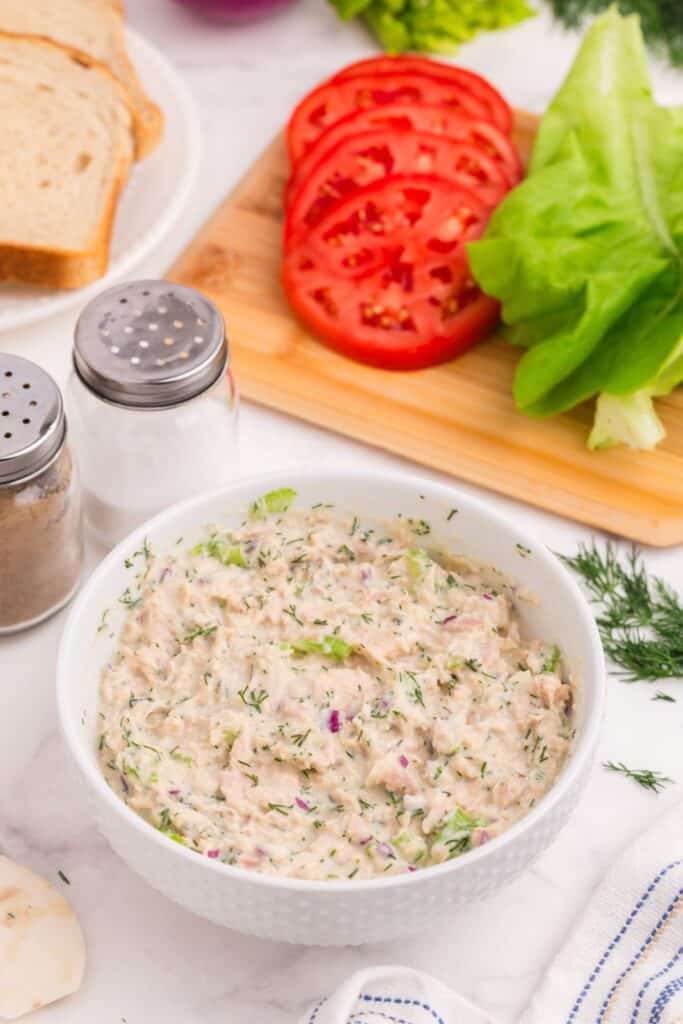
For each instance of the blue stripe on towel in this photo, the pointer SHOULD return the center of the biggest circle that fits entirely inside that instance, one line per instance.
(634, 959)
(618, 937)
(650, 981)
(397, 1001)
(664, 997)
(386, 1001)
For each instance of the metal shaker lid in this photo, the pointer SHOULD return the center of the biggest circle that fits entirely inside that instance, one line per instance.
(32, 422)
(150, 344)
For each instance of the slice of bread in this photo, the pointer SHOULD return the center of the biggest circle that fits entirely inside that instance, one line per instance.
(96, 27)
(67, 148)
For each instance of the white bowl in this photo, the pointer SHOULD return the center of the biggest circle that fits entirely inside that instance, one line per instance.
(335, 912)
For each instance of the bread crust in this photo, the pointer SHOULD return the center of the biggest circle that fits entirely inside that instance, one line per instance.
(63, 268)
(148, 118)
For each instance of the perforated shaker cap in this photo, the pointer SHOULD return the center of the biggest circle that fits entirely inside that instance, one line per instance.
(32, 422)
(150, 344)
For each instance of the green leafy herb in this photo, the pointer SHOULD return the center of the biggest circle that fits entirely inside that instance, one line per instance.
(661, 20)
(273, 502)
(129, 600)
(169, 829)
(644, 777)
(280, 808)
(456, 832)
(197, 632)
(291, 611)
(640, 617)
(664, 696)
(437, 26)
(253, 698)
(299, 738)
(586, 255)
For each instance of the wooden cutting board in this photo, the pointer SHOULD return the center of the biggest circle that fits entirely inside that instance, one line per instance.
(459, 418)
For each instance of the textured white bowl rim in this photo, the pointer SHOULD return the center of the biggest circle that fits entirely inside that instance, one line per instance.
(582, 753)
(143, 54)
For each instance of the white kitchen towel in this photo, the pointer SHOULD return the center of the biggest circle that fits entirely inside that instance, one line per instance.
(623, 963)
(394, 995)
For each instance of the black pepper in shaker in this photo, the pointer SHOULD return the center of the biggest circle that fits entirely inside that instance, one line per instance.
(41, 535)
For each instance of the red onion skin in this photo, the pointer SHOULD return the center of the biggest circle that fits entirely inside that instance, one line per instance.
(212, 854)
(234, 11)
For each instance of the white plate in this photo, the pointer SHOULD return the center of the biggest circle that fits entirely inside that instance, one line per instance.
(151, 203)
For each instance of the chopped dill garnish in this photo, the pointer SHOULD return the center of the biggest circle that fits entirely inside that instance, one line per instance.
(291, 611)
(253, 699)
(197, 632)
(280, 808)
(660, 695)
(640, 617)
(654, 781)
(128, 600)
(299, 738)
(63, 877)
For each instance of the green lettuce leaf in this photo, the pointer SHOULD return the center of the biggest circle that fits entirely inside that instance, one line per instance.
(436, 26)
(586, 255)
(272, 503)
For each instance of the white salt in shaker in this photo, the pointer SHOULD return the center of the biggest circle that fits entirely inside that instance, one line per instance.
(152, 403)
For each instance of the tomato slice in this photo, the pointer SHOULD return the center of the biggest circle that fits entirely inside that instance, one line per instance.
(384, 277)
(436, 120)
(359, 160)
(333, 100)
(500, 113)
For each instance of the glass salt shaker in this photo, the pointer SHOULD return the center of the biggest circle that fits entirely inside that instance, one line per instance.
(41, 526)
(152, 403)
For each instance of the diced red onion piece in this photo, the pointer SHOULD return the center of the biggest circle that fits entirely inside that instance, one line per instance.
(449, 618)
(484, 837)
(487, 597)
(174, 792)
(385, 850)
(333, 722)
(302, 804)
(403, 761)
(213, 854)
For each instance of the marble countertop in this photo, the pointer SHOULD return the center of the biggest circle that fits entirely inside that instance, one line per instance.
(150, 961)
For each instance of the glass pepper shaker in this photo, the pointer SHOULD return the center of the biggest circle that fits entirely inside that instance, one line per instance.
(152, 403)
(41, 533)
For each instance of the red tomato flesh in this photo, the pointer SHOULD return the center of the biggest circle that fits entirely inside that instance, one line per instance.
(333, 100)
(384, 277)
(500, 113)
(358, 161)
(424, 118)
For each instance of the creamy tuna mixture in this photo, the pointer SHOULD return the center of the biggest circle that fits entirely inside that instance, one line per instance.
(315, 697)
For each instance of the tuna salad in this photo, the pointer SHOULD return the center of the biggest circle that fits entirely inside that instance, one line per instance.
(319, 697)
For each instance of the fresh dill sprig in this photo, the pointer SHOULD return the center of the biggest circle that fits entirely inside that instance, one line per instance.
(640, 616)
(660, 695)
(654, 781)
